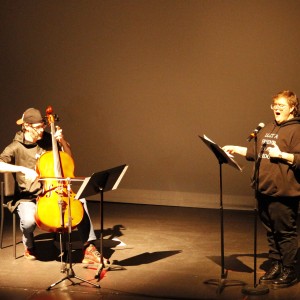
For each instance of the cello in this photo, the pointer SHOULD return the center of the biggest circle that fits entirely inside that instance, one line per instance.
(55, 169)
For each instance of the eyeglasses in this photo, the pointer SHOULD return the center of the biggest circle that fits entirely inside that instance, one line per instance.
(38, 126)
(278, 106)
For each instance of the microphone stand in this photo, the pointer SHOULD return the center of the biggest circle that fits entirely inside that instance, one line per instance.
(255, 289)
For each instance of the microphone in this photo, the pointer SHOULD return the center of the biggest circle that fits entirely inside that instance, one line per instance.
(255, 131)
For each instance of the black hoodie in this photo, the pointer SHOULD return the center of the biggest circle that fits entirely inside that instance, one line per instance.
(276, 177)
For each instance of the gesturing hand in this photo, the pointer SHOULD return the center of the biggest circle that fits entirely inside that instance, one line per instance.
(274, 151)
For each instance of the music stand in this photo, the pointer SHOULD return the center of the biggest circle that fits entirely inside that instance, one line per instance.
(101, 182)
(223, 158)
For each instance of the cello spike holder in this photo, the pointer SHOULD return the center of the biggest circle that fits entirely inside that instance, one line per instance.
(68, 267)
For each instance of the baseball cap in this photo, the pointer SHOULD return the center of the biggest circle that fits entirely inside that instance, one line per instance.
(31, 116)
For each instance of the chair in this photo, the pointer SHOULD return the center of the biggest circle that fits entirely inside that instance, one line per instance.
(7, 193)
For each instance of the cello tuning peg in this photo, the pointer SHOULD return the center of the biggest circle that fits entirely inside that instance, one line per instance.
(45, 121)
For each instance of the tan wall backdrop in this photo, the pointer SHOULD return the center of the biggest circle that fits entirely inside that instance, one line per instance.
(136, 82)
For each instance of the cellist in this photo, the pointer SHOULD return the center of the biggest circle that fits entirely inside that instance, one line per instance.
(20, 157)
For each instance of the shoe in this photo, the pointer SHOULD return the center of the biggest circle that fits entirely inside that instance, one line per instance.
(272, 273)
(92, 256)
(287, 278)
(30, 254)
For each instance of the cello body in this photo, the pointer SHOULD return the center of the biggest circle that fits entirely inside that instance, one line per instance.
(56, 206)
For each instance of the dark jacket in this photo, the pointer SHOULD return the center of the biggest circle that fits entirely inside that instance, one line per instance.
(23, 153)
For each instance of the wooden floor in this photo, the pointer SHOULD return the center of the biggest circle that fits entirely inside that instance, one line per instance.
(161, 253)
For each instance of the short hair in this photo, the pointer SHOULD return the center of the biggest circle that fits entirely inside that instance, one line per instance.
(291, 98)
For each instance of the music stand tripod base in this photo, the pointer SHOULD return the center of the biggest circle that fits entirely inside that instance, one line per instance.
(223, 282)
(101, 267)
(107, 267)
(69, 277)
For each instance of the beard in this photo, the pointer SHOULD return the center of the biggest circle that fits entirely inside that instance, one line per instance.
(35, 134)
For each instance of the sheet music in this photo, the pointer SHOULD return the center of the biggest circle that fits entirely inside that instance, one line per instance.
(220, 153)
(230, 155)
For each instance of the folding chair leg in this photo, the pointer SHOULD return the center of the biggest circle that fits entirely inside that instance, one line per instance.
(7, 190)
(2, 214)
(1, 228)
(14, 236)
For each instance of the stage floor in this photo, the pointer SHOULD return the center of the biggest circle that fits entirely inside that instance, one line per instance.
(164, 252)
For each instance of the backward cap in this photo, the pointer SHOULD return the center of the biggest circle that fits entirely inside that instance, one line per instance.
(31, 116)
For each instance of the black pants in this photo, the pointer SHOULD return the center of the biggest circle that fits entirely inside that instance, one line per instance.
(279, 217)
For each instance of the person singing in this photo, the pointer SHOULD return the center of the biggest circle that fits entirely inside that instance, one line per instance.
(20, 157)
(278, 186)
